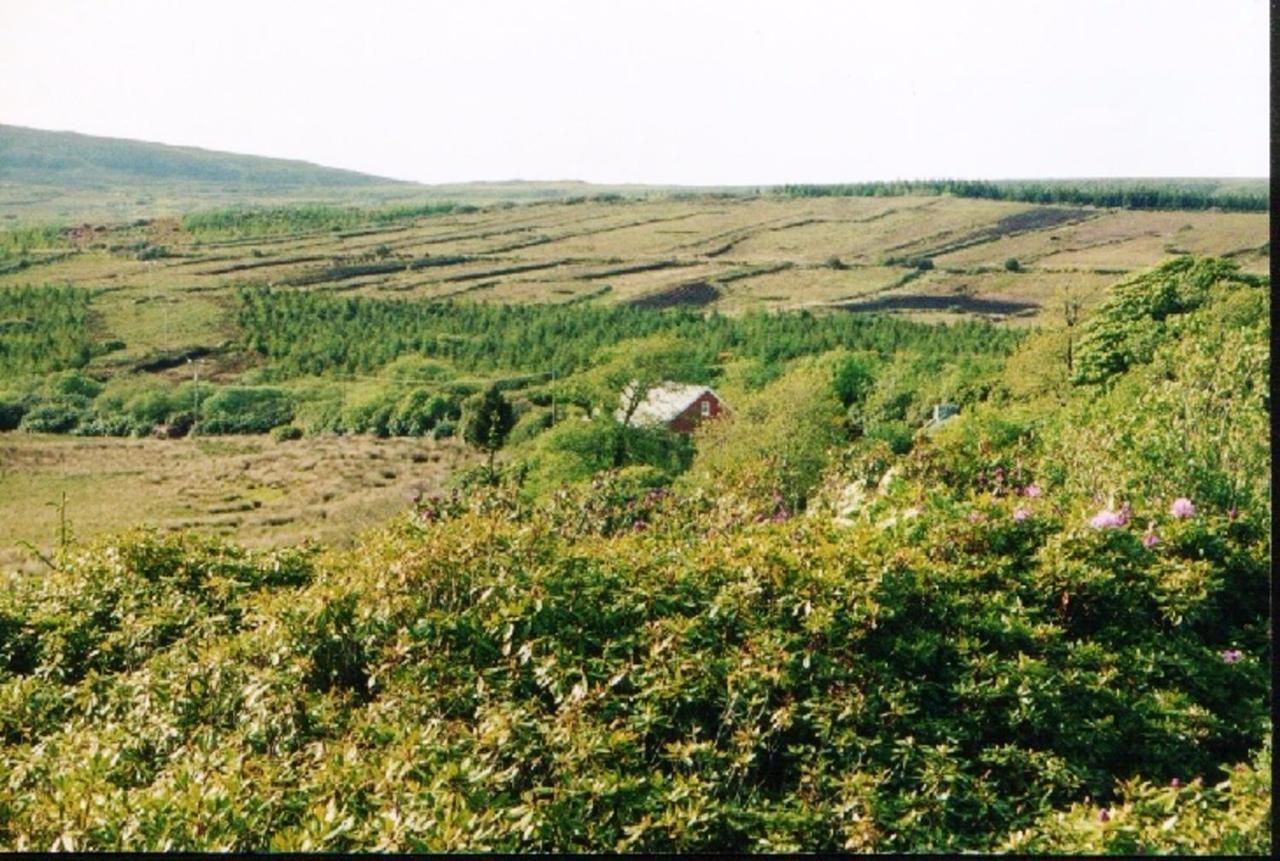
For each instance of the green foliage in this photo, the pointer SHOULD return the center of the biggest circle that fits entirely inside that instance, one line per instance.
(533, 422)
(286, 433)
(1144, 311)
(18, 241)
(1129, 194)
(1012, 265)
(304, 333)
(894, 433)
(575, 449)
(764, 457)
(1190, 417)
(853, 378)
(1186, 817)
(418, 411)
(486, 421)
(11, 412)
(265, 221)
(245, 409)
(44, 329)
(51, 418)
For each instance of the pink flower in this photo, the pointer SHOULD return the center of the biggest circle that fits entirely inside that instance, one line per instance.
(1032, 490)
(1175, 783)
(1230, 656)
(1106, 519)
(1103, 815)
(1182, 507)
(1021, 514)
(1150, 539)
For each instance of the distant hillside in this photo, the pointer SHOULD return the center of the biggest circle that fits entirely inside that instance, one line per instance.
(72, 159)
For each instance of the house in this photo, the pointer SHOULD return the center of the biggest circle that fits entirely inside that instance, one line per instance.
(941, 412)
(678, 406)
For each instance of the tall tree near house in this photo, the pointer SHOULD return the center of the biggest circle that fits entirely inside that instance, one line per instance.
(487, 421)
(633, 368)
(1070, 314)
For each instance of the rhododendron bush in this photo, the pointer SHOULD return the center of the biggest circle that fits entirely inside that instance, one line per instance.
(1044, 629)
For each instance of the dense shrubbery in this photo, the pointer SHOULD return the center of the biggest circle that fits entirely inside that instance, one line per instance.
(1000, 640)
(44, 329)
(1146, 311)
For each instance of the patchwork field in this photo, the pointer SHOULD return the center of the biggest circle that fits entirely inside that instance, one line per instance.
(165, 286)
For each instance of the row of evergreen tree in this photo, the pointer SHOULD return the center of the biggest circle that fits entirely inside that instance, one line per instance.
(267, 220)
(1127, 195)
(303, 333)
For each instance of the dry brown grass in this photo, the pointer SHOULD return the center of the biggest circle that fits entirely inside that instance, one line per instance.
(263, 492)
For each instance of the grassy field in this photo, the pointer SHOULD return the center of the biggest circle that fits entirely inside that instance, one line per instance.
(255, 489)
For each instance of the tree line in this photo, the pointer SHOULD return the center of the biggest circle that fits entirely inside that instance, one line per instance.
(304, 334)
(1121, 194)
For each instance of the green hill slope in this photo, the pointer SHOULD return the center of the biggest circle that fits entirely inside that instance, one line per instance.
(69, 158)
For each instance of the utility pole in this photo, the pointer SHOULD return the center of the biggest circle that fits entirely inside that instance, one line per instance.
(195, 376)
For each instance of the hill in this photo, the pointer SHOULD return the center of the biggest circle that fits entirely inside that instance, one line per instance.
(62, 176)
(79, 160)
(66, 177)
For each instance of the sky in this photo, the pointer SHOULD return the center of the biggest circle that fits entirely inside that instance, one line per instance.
(695, 92)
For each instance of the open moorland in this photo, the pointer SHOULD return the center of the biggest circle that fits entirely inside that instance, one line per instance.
(257, 490)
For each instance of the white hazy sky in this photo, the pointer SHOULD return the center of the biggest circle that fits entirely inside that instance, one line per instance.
(691, 92)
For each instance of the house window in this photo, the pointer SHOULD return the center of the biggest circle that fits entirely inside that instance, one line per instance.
(706, 408)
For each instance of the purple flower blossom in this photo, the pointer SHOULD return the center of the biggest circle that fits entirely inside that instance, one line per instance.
(1021, 514)
(1032, 490)
(1175, 783)
(1182, 507)
(1103, 815)
(1230, 656)
(1150, 540)
(639, 524)
(1233, 513)
(1107, 519)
